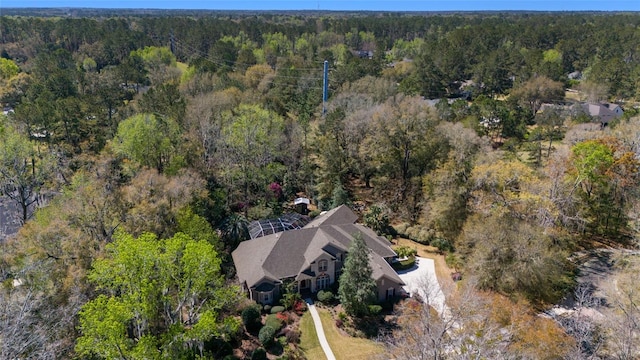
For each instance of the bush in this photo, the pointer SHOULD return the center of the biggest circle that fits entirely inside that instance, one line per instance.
(325, 296)
(442, 245)
(277, 309)
(299, 307)
(375, 309)
(251, 317)
(339, 323)
(342, 316)
(266, 308)
(266, 335)
(259, 354)
(401, 229)
(404, 264)
(405, 251)
(293, 336)
(273, 321)
(314, 213)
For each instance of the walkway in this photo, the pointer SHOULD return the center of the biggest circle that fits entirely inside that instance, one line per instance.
(320, 330)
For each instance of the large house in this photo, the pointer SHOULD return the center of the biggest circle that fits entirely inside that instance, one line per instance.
(603, 113)
(312, 258)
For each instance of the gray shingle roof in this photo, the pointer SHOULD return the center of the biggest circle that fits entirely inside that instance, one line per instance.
(290, 253)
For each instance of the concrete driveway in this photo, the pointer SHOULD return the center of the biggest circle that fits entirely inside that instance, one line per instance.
(421, 280)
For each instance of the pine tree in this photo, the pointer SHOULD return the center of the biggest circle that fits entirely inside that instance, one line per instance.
(357, 287)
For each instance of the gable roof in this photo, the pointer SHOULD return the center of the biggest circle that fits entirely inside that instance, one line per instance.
(336, 216)
(287, 254)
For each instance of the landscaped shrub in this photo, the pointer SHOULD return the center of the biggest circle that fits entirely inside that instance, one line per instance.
(375, 309)
(404, 264)
(267, 308)
(293, 336)
(251, 317)
(299, 307)
(266, 335)
(314, 213)
(273, 321)
(343, 316)
(325, 296)
(277, 309)
(259, 354)
(443, 245)
(284, 317)
(405, 251)
(229, 357)
(339, 323)
(401, 229)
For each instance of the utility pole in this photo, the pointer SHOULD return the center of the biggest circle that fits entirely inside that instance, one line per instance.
(325, 87)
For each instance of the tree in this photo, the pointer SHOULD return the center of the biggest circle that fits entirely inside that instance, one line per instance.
(512, 257)
(605, 173)
(252, 139)
(23, 169)
(150, 140)
(377, 218)
(357, 287)
(447, 189)
(401, 143)
(536, 91)
(8, 69)
(160, 298)
(235, 229)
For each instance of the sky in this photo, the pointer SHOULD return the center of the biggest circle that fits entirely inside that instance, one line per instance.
(372, 5)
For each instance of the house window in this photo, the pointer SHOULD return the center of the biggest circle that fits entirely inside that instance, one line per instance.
(391, 292)
(322, 265)
(266, 297)
(304, 284)
(322, 282)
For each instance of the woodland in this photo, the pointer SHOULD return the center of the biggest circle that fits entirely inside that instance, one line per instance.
(136, 148)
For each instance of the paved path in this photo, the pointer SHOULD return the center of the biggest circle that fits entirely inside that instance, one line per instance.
(421, 280)
(320, 330)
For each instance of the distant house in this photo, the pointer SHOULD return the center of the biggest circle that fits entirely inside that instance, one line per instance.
(602, 113)
(312, 258)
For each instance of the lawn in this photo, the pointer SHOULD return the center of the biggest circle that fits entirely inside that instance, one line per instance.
(309, 339)
(344, 347)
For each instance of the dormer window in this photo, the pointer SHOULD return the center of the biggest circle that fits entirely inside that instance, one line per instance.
(322, 265)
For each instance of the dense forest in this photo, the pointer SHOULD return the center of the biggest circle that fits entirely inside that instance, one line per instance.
(135, 149)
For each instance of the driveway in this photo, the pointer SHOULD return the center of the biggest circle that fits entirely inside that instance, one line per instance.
(421, 280)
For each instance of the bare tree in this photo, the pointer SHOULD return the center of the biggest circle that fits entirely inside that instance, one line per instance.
(464, 329)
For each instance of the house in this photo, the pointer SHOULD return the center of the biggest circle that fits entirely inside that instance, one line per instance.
(602, 113)
(312, 258)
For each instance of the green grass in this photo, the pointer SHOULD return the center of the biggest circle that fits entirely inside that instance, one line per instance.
(309, 342)
(344, 347)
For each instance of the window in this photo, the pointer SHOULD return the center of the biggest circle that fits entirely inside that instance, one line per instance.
(322, 282)
(391, 292)
(266, 297)
(322, 265)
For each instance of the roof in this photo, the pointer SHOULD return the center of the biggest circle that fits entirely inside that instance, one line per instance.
(290, 253)
(336, 216)
(604, 112)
